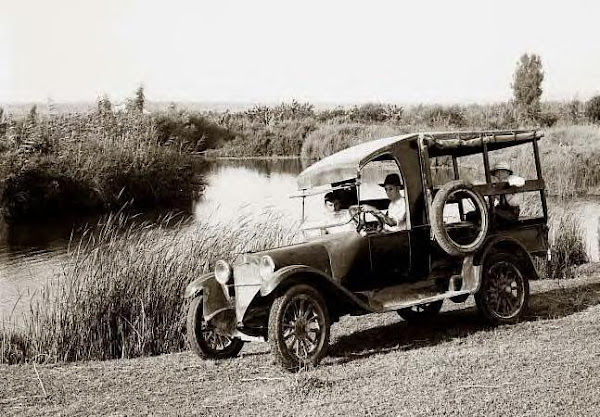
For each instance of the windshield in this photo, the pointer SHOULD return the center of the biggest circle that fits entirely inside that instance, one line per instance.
(326, 210)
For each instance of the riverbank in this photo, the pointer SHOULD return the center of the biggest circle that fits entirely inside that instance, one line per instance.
(378, 365)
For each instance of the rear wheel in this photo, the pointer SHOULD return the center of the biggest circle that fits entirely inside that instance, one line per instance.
(422, 312)
(299, 327)
(204, 339)
(504, 293)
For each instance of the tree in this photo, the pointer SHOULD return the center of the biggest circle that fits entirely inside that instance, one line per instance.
(136, 104)
(104, 106)
(32, 117)
(527, 85)
(592, 109)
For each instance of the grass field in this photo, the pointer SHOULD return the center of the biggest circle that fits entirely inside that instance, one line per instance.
(377, 365)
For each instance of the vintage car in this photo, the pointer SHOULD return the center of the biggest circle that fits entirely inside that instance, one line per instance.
(452, 245)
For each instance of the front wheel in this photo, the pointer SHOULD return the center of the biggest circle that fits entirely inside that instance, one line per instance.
(504, 293)
(299, 326)
(422, 312)
(204, 339)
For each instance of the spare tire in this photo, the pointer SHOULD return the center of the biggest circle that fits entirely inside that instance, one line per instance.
(459, 190)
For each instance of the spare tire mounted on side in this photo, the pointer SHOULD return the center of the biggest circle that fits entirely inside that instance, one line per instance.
(461, 190)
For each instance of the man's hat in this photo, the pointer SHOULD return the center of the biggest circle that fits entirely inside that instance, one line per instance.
(502, 165)
(392, 179)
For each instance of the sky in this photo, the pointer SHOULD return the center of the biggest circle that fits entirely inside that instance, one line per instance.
(268, 51)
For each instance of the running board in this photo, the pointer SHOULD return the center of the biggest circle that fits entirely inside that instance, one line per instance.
(422, 292)
(408, 295)
(397, 305)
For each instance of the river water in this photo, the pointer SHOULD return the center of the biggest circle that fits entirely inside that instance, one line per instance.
(33, 254)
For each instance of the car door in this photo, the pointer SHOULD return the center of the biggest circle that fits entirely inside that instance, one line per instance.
(390, 257)
(420, 252)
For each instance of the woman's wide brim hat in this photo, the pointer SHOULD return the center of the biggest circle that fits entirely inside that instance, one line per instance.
(501, 165)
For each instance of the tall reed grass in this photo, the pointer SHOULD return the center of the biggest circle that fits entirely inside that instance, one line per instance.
(567, 243)
(121, 296)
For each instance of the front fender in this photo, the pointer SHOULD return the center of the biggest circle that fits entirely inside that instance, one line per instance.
(268, 286)
(289, 272)
(215, 296)
(195, 287)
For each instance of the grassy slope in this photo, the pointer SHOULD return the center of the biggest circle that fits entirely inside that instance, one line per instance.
(378, 365)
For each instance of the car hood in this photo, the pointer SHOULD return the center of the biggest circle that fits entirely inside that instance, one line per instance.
(334, 255)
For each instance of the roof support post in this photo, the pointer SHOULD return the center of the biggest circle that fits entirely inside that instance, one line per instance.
(538, 169)
(426, 178)
(488, 179)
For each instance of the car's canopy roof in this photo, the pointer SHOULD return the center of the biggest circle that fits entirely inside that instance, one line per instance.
(344, 165)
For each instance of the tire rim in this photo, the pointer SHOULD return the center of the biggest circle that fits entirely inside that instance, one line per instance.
(483, 226)
(505, 293)
(302, 327)
(213, 339)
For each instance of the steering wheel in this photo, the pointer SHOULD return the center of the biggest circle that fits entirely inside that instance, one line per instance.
(356, 210)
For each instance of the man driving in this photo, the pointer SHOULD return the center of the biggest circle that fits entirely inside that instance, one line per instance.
(395, 217)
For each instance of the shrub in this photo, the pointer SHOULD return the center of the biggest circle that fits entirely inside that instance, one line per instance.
(375, 112)
(335, 137)
(592, 109)
(89, 162)
(189, 132)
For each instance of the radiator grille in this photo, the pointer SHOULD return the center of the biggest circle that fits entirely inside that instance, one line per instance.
(246, 278)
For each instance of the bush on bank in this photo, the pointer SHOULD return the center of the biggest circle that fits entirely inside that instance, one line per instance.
(77, 163)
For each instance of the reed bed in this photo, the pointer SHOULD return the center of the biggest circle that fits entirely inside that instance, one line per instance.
(121, 295)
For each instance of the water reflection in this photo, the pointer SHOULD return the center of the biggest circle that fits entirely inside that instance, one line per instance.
(240, 188)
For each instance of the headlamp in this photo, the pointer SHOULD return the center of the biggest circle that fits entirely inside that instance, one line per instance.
(222, 272)
(266, 268)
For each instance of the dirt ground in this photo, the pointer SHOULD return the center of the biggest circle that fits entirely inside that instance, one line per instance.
(377, 365)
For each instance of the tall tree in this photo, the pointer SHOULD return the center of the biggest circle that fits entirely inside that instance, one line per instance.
(527, 85)
(104, 106)
(32, 117)
(140, 99)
